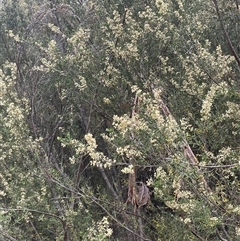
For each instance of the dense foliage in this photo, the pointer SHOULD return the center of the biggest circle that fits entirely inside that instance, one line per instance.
(119, 120)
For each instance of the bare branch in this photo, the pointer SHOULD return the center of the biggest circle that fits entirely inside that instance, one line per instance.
(117, 221)
(227, 38)
(219, 235)
(7, 236)
(110, 187)
(31, 211)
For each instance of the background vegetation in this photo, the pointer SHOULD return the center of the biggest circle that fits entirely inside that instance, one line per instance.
(119, 120)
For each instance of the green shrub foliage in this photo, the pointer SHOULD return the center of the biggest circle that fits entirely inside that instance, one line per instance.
(119, 120)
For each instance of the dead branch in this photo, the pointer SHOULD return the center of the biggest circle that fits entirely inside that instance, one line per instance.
(227, 38)
(132, 192)
(138, 196)
(188, 153)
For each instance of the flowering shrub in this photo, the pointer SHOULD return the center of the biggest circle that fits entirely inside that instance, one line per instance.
(104, 105)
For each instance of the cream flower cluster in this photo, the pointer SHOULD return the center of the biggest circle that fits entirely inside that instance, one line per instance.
(99, 230)
(98, 158)
(207, 103)
(128, 169)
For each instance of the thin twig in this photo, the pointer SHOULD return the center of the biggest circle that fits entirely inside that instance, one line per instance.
(117, 221)
(221, 238)
(31, 211)
(35, 230)
(226, 233)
